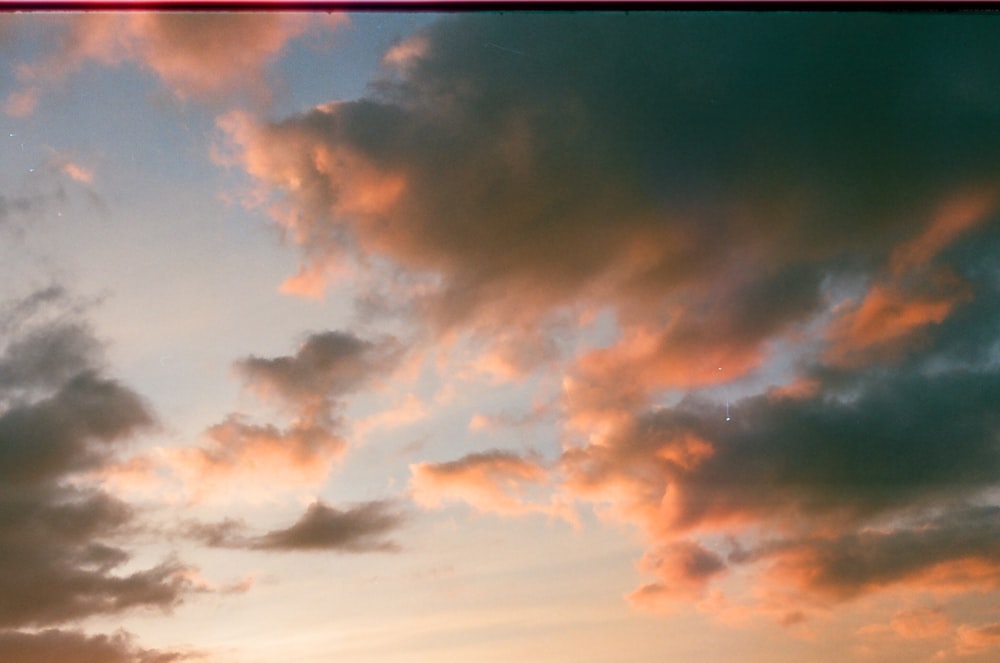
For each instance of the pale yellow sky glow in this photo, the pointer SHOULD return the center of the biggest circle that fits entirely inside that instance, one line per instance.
(562, 337)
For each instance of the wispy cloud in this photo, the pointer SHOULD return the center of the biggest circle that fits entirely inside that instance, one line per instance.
(357, 528)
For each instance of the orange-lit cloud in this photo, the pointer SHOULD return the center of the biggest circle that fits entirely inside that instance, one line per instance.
(308, 385)
(716, 218)
(73, 169)
(492, 482)
(913, 294)
(884, 320)
(921, 623)
(977, 639)
(955, 217)
(257, 455)
(206, 57)
(683, 570)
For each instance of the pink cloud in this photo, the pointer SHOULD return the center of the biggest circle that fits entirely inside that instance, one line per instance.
(921, 623)
(977, 639)
(491, 482)
(913, 294)
(242, 454)
(203, 56)
(715, 227)
(309, 386)
(683, 570)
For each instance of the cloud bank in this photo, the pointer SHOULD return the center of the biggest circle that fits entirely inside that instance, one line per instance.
(741, 193)
(61, 418)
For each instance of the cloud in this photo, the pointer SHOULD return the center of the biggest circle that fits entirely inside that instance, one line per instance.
(951, 553)
(921, 623)
(356, 529)
(492, 482)
(844, 472)
(977, 639)
(76, 647)
(75, 171)
(326, 364)
(179, 49)
(249, 454)
(309, 385)
(61, 419)
(322, 527)
(855, 479)
(676, 168)
(683, 568)
(736, 193)
(913, 294)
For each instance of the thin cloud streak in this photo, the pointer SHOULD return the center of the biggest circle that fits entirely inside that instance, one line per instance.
(355, 529)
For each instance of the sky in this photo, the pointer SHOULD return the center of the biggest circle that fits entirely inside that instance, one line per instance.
(581, 337)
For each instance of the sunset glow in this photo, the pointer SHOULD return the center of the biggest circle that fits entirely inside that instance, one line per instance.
(565, 337)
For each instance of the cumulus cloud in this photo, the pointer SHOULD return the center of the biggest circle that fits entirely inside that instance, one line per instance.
(61, 418)
(196, 56)
(632, 176)
(738, 193)
(358, 528)
(309, 385)
(323, 527)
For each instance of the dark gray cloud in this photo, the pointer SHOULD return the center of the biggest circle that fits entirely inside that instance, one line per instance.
(724, 183)
(76, 647)
(60, 417)
(72, 430)
(51, 355)
(358, 528)
(878, 443)
(957, 549)
(642, 158)
(355, 529)
(873, 467)
(326, 364)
